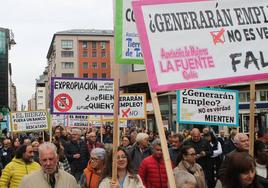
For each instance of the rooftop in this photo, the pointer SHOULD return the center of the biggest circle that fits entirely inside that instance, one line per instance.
(86, 32)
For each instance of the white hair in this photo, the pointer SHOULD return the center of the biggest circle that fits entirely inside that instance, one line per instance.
(47, 146)
(141, 136)
(184, 178)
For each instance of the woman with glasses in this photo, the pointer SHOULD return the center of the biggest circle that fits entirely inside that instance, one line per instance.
(188, 164)
(125, 142)
(126, 178)
(93, 171)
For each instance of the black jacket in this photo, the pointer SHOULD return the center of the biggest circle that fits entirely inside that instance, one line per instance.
(72, 148)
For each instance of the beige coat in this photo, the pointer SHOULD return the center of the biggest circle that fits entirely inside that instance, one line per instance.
(38, 179)
(195, 170)
(130, 182)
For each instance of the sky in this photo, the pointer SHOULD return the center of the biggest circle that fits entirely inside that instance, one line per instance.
(34, 22)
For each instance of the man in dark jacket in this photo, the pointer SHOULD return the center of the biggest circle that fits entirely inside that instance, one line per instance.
(175, 149)
(139, 150)
(77, 154)
(203, 151)
(6, 153)
(241, 142)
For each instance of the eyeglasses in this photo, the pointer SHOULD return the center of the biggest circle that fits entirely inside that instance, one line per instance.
(94, 159)
(121, 157)
(192, 154)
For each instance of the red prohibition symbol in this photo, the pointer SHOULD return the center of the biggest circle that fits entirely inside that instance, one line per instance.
(63, 102)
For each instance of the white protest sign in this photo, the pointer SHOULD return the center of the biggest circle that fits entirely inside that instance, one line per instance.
(82, 96)
(59, 120)
(127, 43)
(208, 106)
(29, 121)
(189, 44)
(132, 106)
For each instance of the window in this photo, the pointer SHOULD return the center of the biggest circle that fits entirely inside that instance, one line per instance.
(94, 44)
(40, 97)
(67, 53)
(67, 75)
(84, 44)
(66, 44)
(85, 75)
(94, 65)
(103, 75)
(40, 91)
(85, 54)
(85, 65)
(263, 95)
(94, 54)
(67, 65)
(103, 65)
(244, 96)
(103, 54)
(95, 75)
(103, 45)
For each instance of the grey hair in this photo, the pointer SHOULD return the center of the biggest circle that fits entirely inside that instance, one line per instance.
(99, 152)
(47, 145)
(238, 137)
(156, 142)
(141, 136)
(183, 178)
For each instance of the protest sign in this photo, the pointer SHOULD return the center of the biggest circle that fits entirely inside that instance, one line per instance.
(132, 106)
(82, 96)
(208, 106)
(29, 121)
(190, 43)
(127, 43)
(59, 120)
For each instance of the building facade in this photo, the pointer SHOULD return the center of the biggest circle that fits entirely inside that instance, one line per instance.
(81, 53)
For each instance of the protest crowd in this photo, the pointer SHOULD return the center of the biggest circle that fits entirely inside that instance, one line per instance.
(83, 158)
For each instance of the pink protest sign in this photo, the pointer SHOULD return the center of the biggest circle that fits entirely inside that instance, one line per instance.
(188, 44)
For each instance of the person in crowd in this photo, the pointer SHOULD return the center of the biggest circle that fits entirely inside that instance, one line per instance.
(188, 164)
(63, 162)
(21, 165)
(59, 135)
(125, 142)
(184, 179)
(139, 150)
(186, 134)
(93, 171)
(241, 143)
(229, 144)
(151, 136)
(27, 141)
(241, 172)
(49, 176)
(77, 154)
(152, 169)
(15, 144)
(205, 131)
(133, 135)
(175, 149)
(6, 153)
(126, 177)
(261, 157)
(216, 158)
(35, 146)
(108, 135)
(221, 138)
(203, 152)
(91, 141)
(264, 136)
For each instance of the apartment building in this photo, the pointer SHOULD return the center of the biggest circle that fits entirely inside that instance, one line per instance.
(81, 53)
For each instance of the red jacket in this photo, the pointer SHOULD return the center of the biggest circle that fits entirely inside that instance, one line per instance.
(153, 173)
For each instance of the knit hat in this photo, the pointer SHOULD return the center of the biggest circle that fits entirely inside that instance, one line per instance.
(99, 152)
